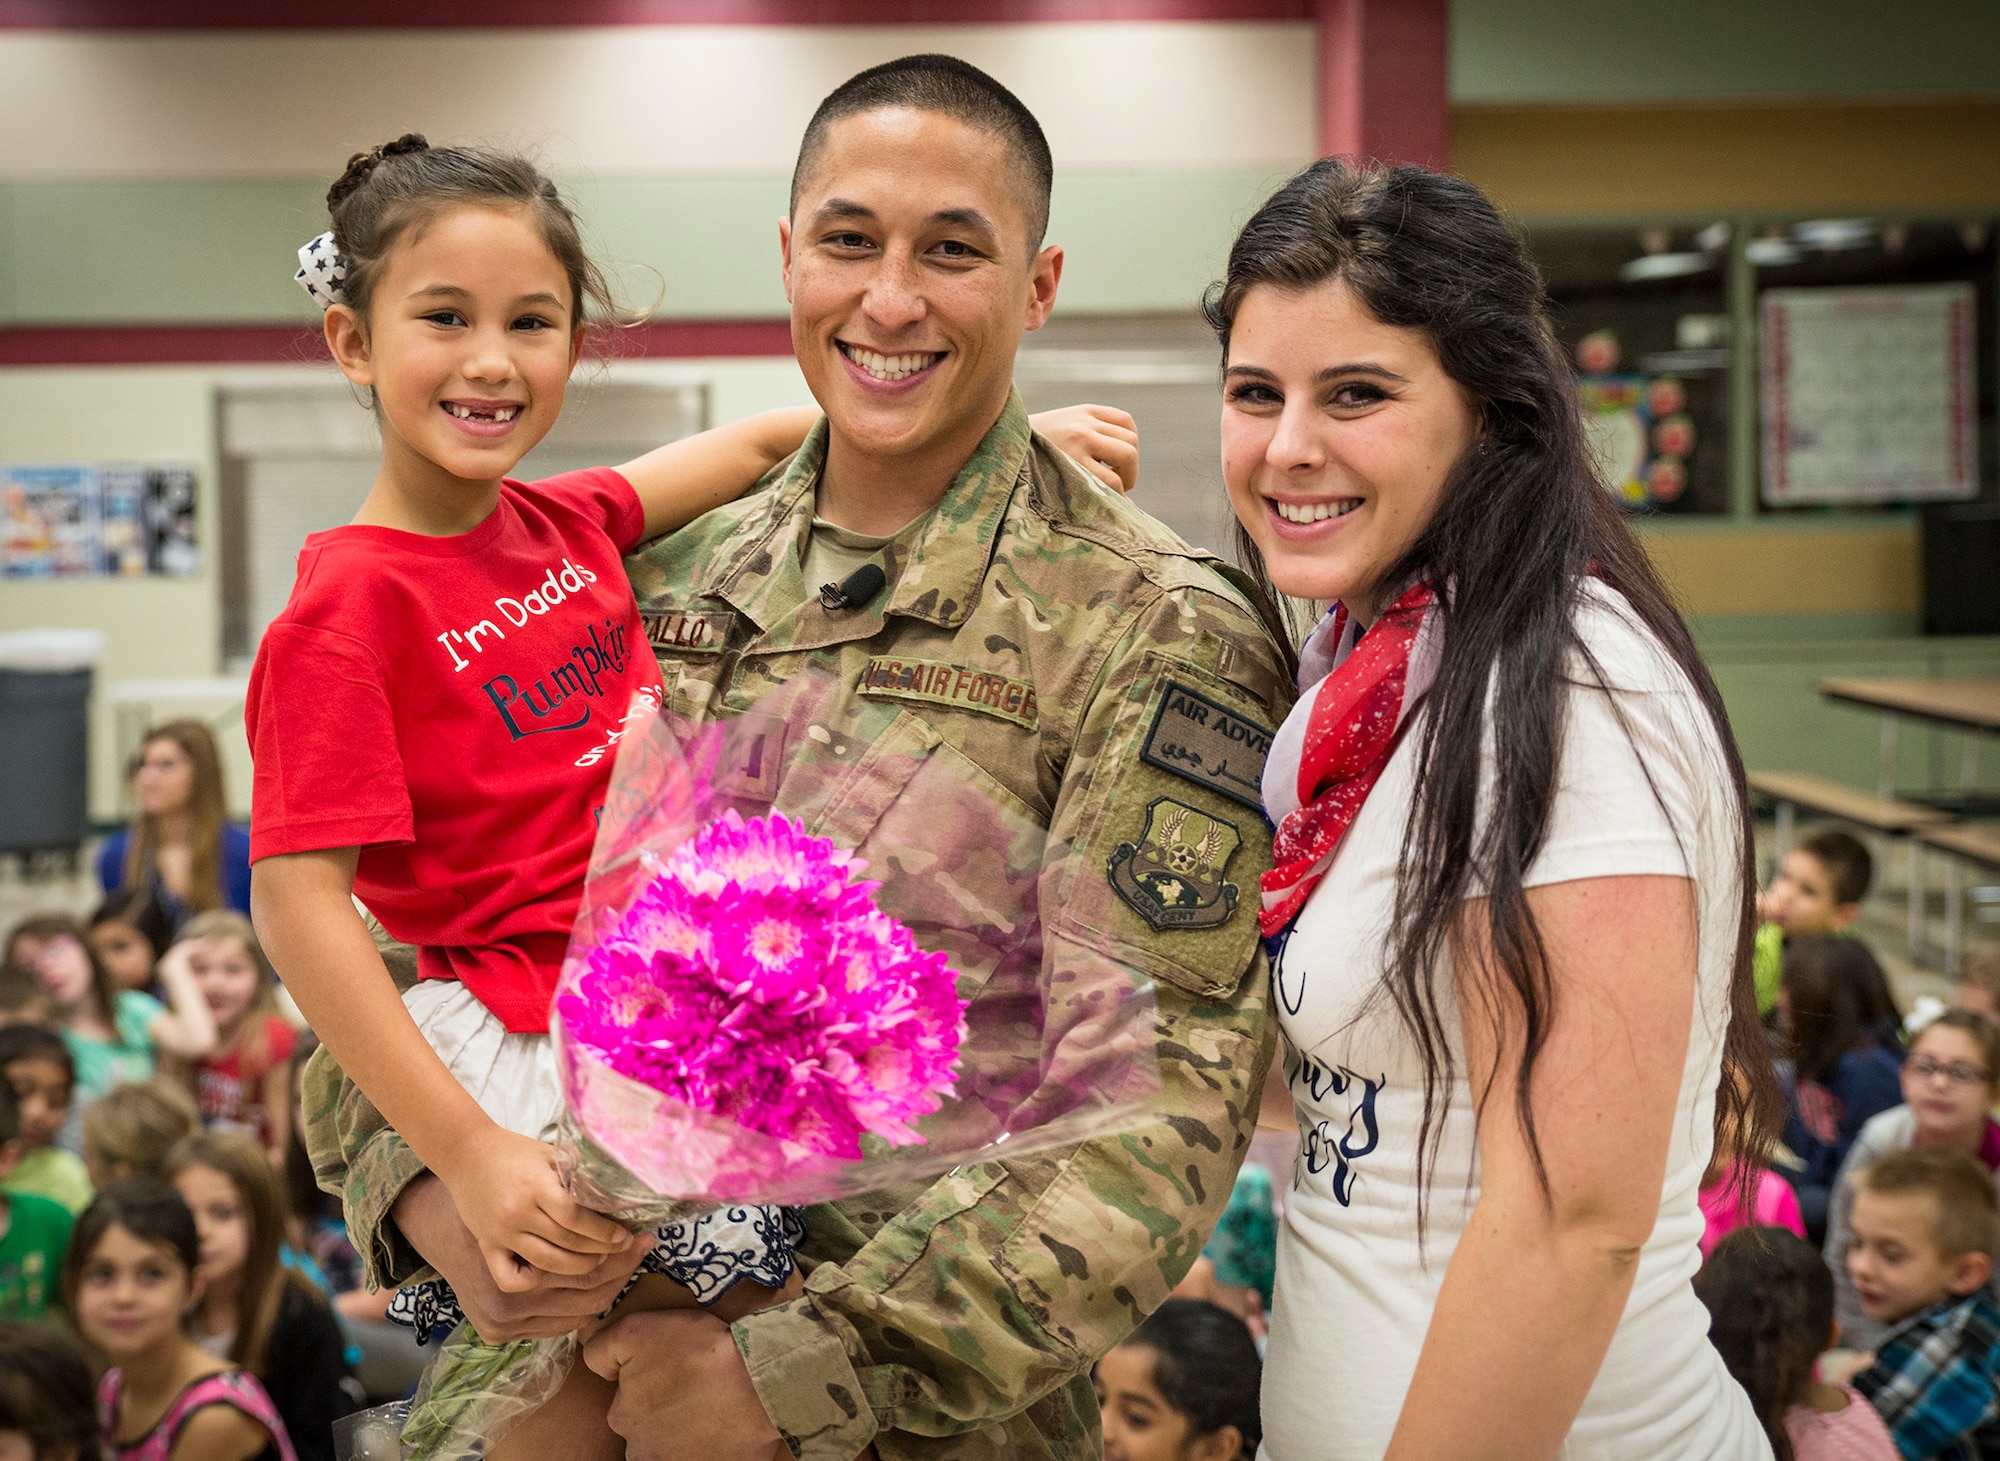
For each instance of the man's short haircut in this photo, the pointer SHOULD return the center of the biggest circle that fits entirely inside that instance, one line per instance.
(1967, 1213)
(1846, 860)
(950, 88)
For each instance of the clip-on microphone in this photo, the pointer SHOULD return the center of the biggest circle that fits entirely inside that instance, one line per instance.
(855, 590)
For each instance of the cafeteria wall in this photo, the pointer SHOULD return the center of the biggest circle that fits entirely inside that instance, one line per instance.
(159, 179)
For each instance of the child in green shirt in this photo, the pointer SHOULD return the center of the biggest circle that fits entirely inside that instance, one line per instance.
(1818, 889)
(33, 1233)
(35, 1064)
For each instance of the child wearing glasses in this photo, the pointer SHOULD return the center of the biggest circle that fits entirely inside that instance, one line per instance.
(1951, 1079)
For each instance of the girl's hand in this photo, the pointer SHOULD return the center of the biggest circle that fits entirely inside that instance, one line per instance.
(1102, 439)
(187, 1028)
(512, 1198)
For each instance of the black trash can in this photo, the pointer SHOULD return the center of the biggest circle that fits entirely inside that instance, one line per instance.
(45, 679)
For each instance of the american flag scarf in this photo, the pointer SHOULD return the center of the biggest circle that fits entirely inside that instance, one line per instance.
(1331, 750)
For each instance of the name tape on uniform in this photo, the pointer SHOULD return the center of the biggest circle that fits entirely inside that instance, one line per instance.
(962, 687)
(1204, 741)
(684, 632)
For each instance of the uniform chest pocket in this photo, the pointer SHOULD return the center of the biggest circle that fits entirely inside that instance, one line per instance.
(957, 854)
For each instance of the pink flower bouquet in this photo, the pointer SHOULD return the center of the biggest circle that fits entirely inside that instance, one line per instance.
(754, 987)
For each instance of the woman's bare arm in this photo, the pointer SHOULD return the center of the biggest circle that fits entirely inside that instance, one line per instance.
(1533, 1292)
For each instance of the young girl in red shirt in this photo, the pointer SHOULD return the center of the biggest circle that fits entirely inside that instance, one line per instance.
(434, 714)
(241, 1087)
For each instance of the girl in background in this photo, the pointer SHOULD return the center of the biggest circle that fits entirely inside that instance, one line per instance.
(1182, 1388)
(1770, 1301)
(1841, 1028)
(1950, 1080)
(181, 846)
(47, 1410)
(128, 933)
(114, 1035)
(241, 1087)
(256, 1311)
(1732, 1197)
(38, 1068)
(133, 1272)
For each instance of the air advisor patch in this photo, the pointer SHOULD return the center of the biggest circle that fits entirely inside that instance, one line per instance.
(1173, 877)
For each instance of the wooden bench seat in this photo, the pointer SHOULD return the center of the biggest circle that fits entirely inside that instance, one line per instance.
(1974, 844)
(1833, 799)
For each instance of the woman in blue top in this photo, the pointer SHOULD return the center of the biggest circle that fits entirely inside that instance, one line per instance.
(181, 844)
(1846, 1063)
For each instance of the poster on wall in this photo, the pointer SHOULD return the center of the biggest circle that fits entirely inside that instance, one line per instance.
(115, 520)
(51, 522)
(1869, 394)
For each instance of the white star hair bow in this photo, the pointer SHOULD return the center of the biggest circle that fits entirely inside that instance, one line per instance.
(322, 272)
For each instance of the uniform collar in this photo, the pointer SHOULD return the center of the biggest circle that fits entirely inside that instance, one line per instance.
(936, 577)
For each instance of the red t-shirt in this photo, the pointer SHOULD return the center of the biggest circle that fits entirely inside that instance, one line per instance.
(230, 1088)
(451, 706)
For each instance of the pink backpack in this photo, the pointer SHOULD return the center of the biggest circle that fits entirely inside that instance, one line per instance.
(229, 1387)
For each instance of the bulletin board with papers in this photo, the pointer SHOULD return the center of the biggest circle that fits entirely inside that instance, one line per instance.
(1869, 394)
(103, 520)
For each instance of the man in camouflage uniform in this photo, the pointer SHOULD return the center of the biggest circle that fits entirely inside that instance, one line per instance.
(1045, 734)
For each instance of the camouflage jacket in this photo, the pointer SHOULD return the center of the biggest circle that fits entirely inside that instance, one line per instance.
(1046, 738)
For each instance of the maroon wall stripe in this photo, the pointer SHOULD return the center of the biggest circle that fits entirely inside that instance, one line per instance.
(295, 345)
(494, 14)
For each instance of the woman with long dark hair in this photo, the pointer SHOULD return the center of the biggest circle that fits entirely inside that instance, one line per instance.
(1512, 903)
(181, 846)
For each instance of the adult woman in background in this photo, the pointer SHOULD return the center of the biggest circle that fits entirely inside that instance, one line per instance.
(181, 844)
(1513, 884)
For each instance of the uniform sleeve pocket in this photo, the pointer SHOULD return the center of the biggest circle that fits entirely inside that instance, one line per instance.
(1169, 830)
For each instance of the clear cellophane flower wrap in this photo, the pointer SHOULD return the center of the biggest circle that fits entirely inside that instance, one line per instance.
(754, 1010)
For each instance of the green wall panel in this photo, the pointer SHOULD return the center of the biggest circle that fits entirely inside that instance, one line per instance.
(142, 252)
(1542, 51)
(1771, 685)
(704, 247)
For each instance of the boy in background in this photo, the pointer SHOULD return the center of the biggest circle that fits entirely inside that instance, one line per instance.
(1818, 888)
(128, 1131)
(1978, 987)
(33, 1234)
(1926, 1227)
(22, 997)
(35, 1064)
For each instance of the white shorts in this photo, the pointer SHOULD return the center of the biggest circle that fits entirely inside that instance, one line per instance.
(513, 1078)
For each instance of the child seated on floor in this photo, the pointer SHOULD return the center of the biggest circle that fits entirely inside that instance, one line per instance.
(23, 1001)
(1978, 986)
(1770, 1305)
(130, 1131)
(35, 1064)
(1839, 1026)
(1926, 1227)
(1185, 1384)
(34, 1232)
(1818, 889)
(48, 1406)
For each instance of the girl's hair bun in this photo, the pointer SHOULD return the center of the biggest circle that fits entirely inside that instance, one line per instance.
(362, 165)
